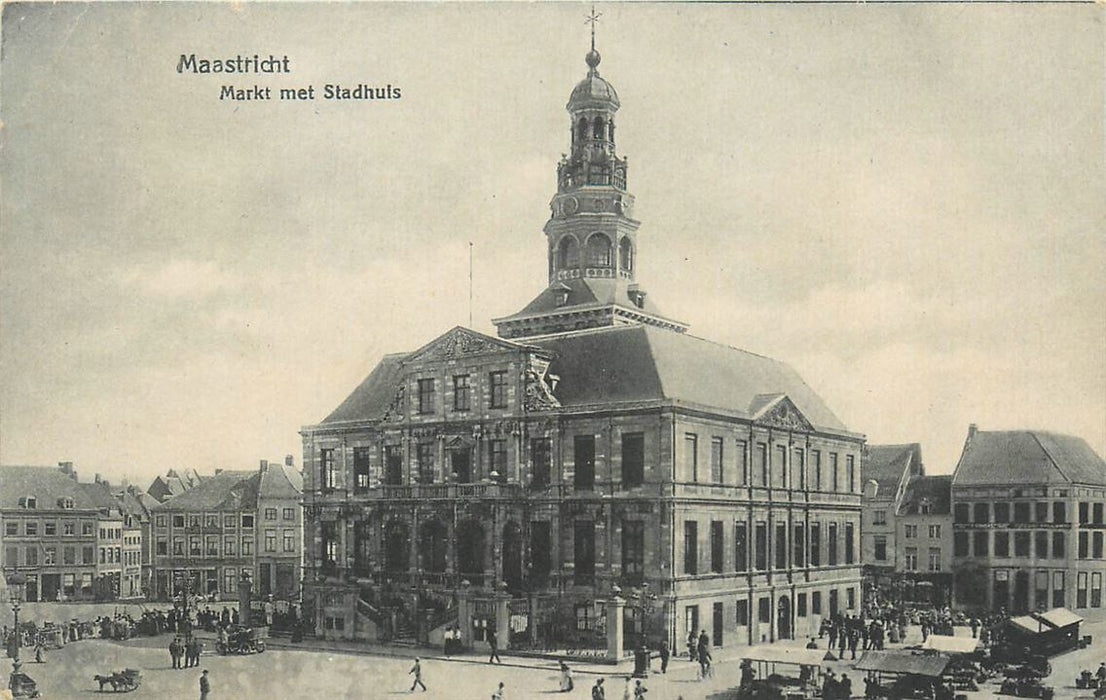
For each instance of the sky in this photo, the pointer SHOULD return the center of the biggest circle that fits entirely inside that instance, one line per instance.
(902, 201)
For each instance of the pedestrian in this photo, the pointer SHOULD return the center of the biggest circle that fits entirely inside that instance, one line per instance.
(1100, 674)
(597, 691)
(705, 670)
(845, 687)
(832, 635)
(205, 685)
(417, 670)
(975, 627)
(665, 653)
(691, 645)
(566, 678)
(493, 642)
(175, 651)
(500, 693)
(640, 690)
(40, 649)
(628, 689)
(854, 639)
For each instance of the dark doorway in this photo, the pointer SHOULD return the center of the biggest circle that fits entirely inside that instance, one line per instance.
(460, 463)
(691, 619)
(1021, 592)
(783, 621)
(396, 547)
(716, 630)
(393, 465)
(541, 559)
(470, 552)
(51, 586)
(432, 546)
(512, 555)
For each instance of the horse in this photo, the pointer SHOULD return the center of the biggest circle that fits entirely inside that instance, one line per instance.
(105, 680)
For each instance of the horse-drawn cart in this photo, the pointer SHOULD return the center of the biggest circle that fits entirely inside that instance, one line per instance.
(242, 640)
(121, 682)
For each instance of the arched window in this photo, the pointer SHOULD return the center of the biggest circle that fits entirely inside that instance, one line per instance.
(568, 253)
(599, 250)
(582, 129)
(626, 254)
(598, 129)
(610, 131)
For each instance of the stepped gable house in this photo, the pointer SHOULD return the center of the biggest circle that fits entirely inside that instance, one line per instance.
(593, 475)
(1028, 522)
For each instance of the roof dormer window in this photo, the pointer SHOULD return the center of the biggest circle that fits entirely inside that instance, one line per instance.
(65, 503)
(28, 502)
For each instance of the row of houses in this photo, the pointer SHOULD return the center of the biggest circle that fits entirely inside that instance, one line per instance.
(1021, 522)
(78, 540)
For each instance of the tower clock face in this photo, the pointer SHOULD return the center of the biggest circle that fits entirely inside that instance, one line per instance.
(571, 206)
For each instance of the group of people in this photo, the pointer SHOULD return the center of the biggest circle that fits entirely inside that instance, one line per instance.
(698, 649)
(185, 653)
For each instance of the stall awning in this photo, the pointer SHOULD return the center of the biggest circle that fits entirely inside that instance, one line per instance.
(900, 662)
(1025, 623)
(1059, 617)
(789, 655)
(952, 645)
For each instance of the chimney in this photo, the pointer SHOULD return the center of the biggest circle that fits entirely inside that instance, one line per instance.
(264, 465)
(289, 461)
(972, 430)
(67, 469)
(218, 471)
(97, 478)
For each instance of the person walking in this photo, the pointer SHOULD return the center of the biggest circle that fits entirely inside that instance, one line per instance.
(493, 642)
(640, 690)
(175, 651)
(566, 678)
(417, 670)
(500, 693)
(705, 670)
(205, 686)
(598, 692)
(665, 653)
(40, 649)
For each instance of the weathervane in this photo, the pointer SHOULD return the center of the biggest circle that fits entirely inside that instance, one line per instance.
(592, 19)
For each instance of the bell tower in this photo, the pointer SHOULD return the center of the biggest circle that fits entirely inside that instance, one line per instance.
(591, 233)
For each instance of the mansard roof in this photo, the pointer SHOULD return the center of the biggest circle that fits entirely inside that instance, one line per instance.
(47, 484)
(890, 465)
(1028, 457)
(636, 363)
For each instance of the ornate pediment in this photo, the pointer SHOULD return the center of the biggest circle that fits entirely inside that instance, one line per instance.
(782, 413)
(459, 342)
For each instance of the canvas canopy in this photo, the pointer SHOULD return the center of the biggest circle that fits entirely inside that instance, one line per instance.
(789, 655)
(929, 665)
(1059, 617)
(952, 645)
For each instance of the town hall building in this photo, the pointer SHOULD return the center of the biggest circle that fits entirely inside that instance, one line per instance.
(595, 472)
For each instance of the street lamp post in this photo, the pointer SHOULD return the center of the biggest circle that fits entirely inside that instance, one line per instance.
(16, 585)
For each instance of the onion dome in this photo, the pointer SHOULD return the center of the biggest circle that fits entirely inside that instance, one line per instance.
(593, 92)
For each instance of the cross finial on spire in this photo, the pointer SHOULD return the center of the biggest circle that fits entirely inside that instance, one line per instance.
(593, 19)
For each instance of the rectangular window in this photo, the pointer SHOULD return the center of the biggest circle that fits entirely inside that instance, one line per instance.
(584, 551)
(229, 546)
(742, 617)
(1098, 508)
(541, 541)
(815, 544)
(31, 528)
(800, 605)
(816, 455)
(328, 470)
(1084, 544)
(633, 459)
(461, 398)
(761, 467)
(910, 532)
(270, 540)
(11, 528)
(980, 542)
(1096, 589)
(1021, 544)
(541, 459)
(960, 544)
(716, 475)
(1096, 544)
(879, 517)
(834, 476)
(1059, 512)
(426, 396)
(178, 521)
(230, 581)
(362, 477)
(880, 546)
(30, 556)
(425, 453)
(1002, 543)
(934, 558)
(1002, 512)
(833, 606)
(86, 527)
(816, 603)
(911, 559)
(850, 546)
(584, 457)
(781, 546)
(247, 522)
(831, 537)
(247, 547)
(743, 461)
(716, 546)
(1021, 512)
(289, 540)
(50, 528)
(1041, 544)
(393, 465)
(1040, 513)
(1081, 589)
(1058, 545)
(50, 556)
(195, 546)
(178, 546)
(798, 469)
(740, 547)
(850, 475)
(764, 610)
(230, 522)
(1042, 587)
(799, 548)
(691, 454)
(760, 549)
(780, 470)
(633, 551)
(289, 514)
(1084, 512)
(270, 513)
(212, 548)
(934, 532)
(981, 513)
(850, 598)
(1058, 589)
(691, 547)
(961, 513)
(162, 548)
(498, 384)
